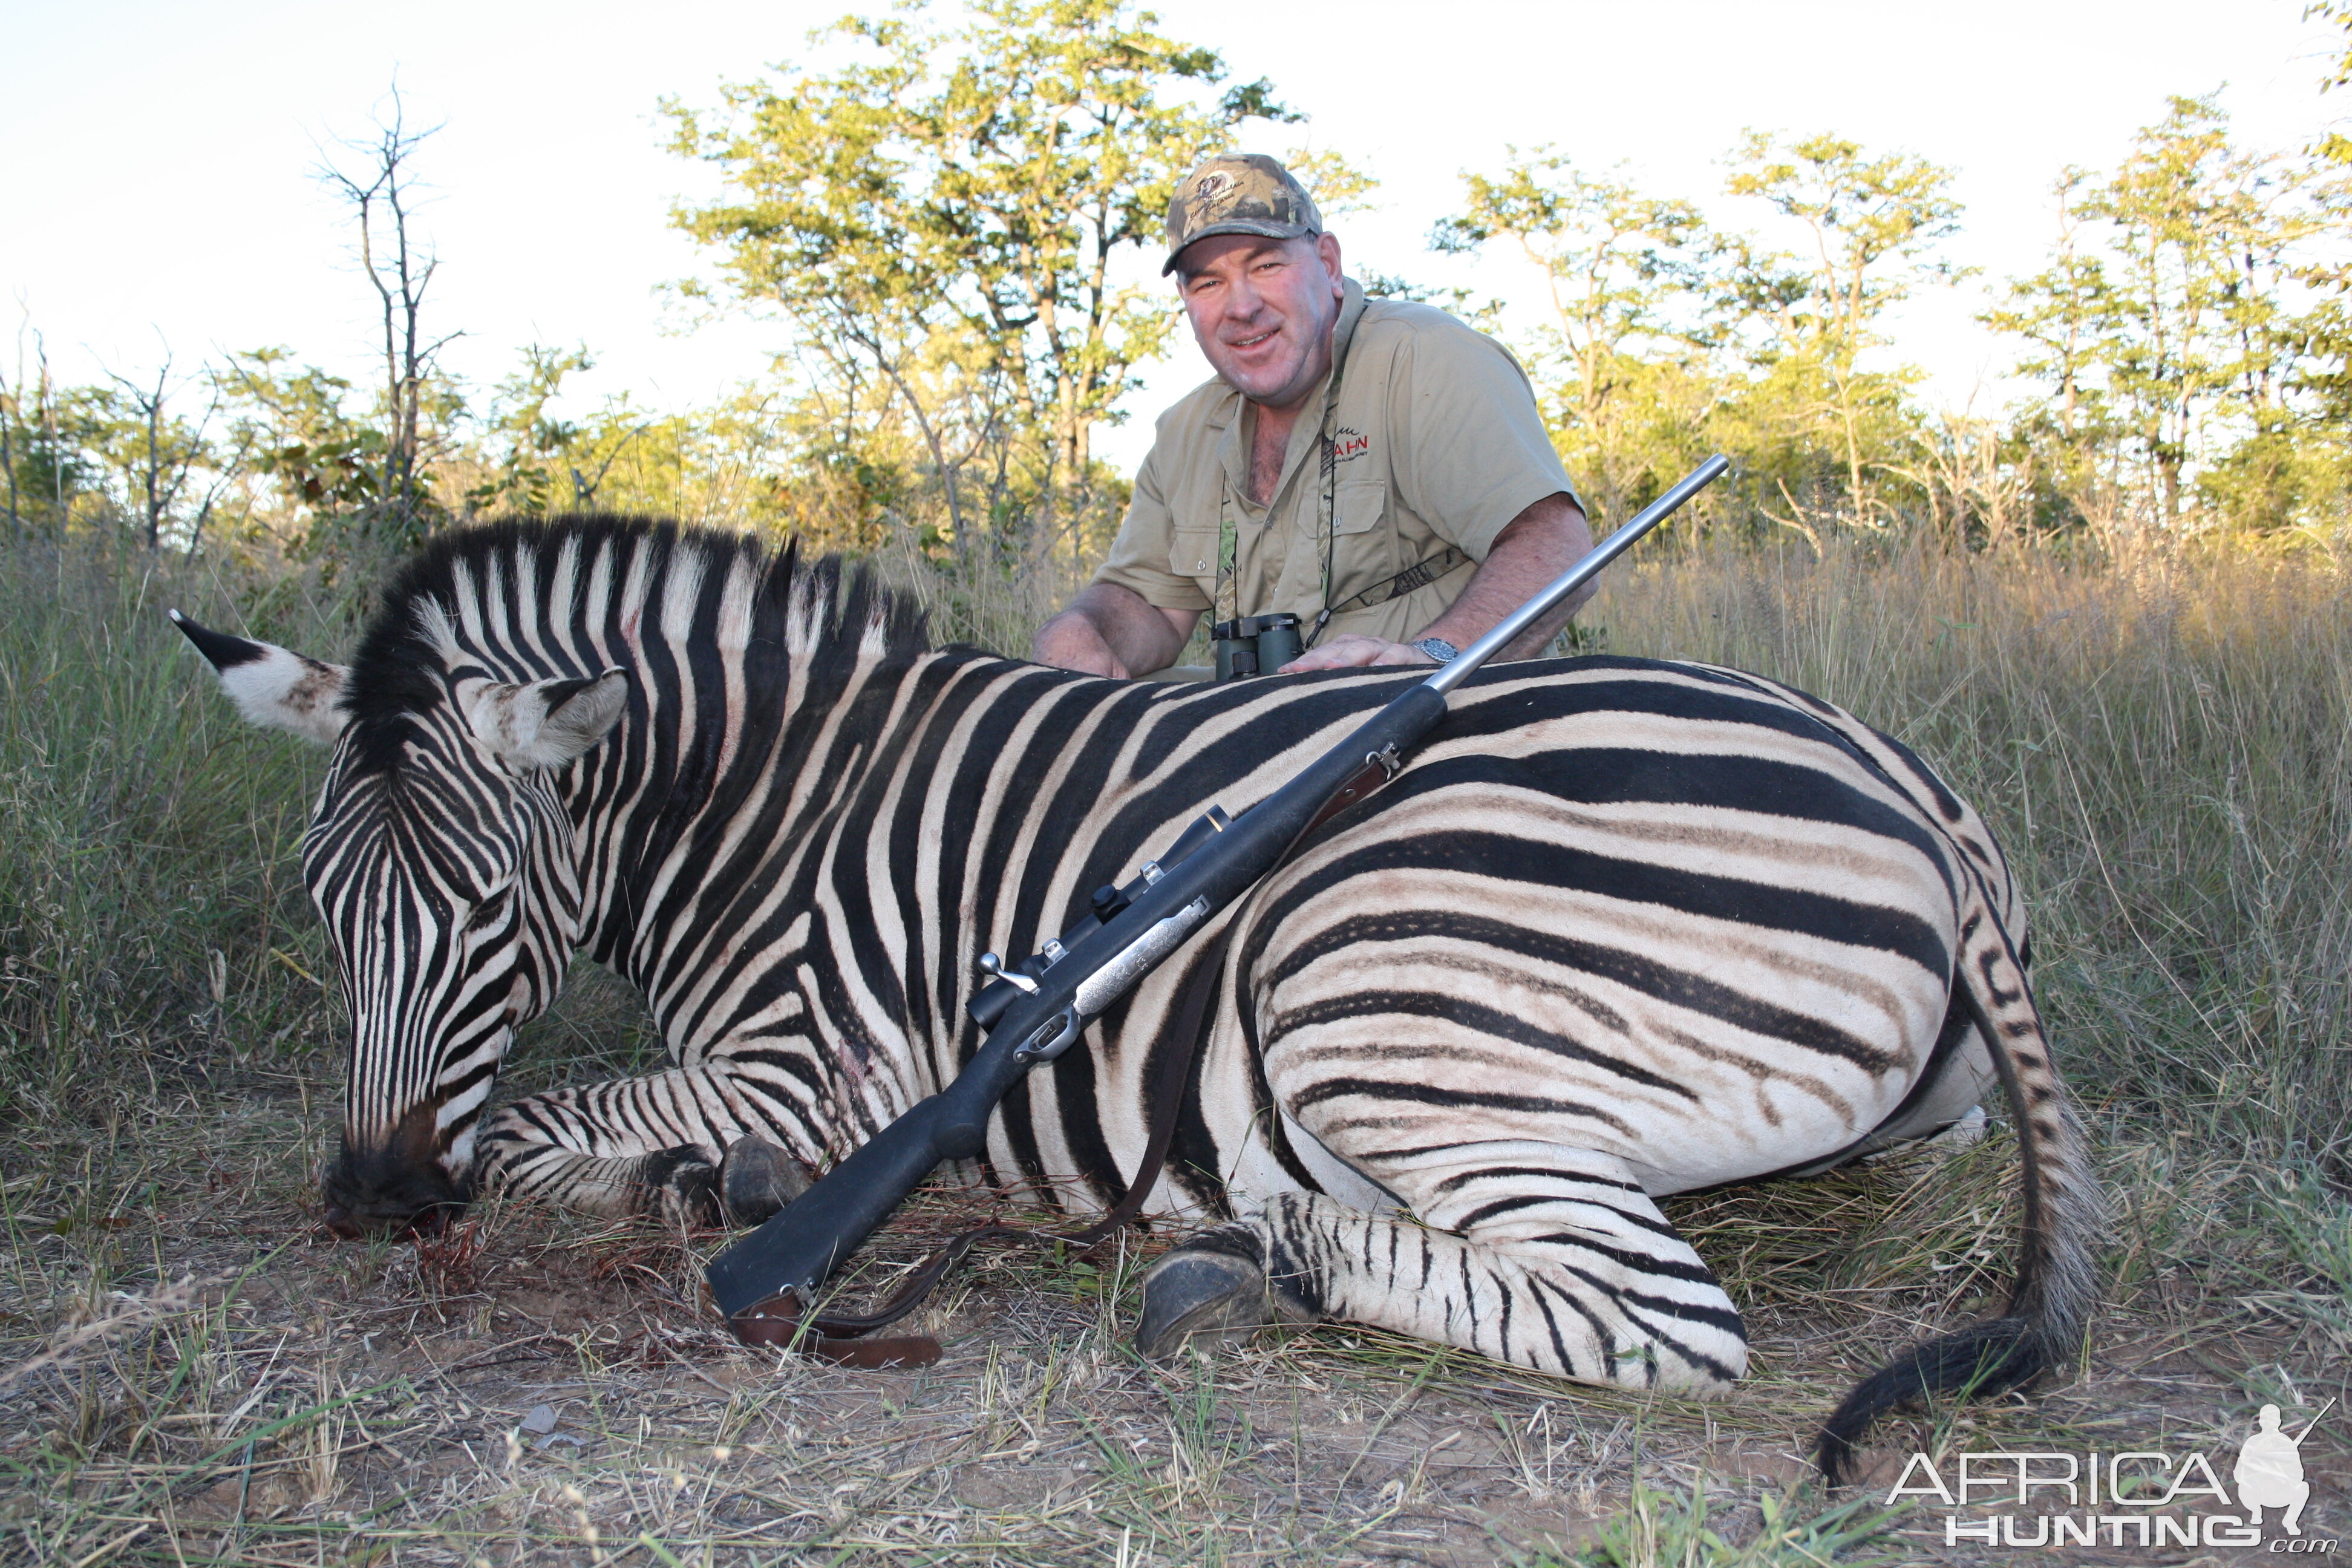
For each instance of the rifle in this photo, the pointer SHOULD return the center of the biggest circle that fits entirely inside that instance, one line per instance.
(1036, 1010)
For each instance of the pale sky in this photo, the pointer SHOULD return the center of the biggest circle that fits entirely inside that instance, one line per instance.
(155, 156)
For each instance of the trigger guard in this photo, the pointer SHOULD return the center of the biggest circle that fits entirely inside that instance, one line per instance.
(1037, 1047)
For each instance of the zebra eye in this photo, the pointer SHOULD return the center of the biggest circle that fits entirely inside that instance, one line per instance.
(490, 909)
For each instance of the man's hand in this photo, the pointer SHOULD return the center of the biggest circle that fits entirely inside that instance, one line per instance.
(1353, 651)
(1110, 630)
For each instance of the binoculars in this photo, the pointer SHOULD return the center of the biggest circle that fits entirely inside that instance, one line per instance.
(1256, 644)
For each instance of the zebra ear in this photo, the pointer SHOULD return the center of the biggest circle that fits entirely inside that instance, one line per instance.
(547, 723)
(273, 687)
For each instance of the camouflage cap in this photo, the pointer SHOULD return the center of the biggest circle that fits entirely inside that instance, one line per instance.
(1238, 193)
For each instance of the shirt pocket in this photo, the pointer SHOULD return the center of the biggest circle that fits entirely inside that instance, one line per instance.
(1359, 505)
(1192, 553)
(1363, 550)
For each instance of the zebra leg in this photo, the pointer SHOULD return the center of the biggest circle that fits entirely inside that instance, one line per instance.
(685, 1144)
(1532, 1253)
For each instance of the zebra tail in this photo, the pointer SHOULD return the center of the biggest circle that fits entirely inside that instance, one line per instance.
(2064, 1216)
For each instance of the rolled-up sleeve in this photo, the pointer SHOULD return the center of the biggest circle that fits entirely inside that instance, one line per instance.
(1139, 556)
(1471, 452)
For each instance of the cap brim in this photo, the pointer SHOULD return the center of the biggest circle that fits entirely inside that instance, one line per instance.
(1264, 230)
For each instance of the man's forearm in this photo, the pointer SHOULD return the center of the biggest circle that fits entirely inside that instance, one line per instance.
(1536, 547)
(1111, 630)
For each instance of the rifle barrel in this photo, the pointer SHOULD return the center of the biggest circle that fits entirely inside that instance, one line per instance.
(1507, 630)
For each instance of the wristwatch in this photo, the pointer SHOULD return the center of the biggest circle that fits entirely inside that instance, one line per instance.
(1438, 649)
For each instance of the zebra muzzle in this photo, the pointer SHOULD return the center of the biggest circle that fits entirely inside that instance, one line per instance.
(395, 1183)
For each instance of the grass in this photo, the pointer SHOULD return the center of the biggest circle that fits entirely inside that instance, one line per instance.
(191, 1373)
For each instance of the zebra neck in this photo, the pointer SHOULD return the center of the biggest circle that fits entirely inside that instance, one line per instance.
(826, 892)
(707, 853)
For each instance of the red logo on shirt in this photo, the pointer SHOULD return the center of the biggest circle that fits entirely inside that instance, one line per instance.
(1347, 444)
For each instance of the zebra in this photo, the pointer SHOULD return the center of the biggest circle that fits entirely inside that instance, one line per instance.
(1621, 928)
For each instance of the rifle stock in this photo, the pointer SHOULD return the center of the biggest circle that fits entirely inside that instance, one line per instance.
(1054, 997)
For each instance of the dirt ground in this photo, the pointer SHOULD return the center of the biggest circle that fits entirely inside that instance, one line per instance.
(197, 1373)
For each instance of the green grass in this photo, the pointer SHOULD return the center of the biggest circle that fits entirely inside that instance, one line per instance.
(1668, 1527)
(153, 924)
(189, 1374)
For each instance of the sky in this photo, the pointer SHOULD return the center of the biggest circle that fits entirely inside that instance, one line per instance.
(158, 156)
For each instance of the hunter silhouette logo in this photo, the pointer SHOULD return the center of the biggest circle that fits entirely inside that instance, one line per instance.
(2132, 1499)
(2269, 1472)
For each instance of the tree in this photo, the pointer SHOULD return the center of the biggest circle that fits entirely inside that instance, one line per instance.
(520, 475)
(154, 452)
(1614, 263)
(2328, 377)
(941, 224)
(50, 448)
(318, 464)
(1875, 223)
(2166, 327)
(2336, 147)
(2061, 314)
(381, 195)
(12, 423)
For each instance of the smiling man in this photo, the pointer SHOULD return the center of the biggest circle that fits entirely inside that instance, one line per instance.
(1375, 467)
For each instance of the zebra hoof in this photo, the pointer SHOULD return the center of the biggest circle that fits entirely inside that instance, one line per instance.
(1202, 1297)
(757, 1179)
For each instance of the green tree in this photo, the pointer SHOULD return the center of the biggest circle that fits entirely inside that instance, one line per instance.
(45, 442)
(2061, 316)
(2328, 375)
(1614, 263)
(2167, 329)
(2336, 147)
(318, 455)
(530, 462)
(316, 468)
(1874, 225)
(154, 453)
(941, 223)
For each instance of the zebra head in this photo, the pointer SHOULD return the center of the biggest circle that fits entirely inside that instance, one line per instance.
(440, 856)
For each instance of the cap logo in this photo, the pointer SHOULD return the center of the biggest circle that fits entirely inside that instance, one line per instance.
(1213, 185)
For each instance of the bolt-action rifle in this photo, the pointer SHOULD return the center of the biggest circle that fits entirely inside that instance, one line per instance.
(1036, 1010)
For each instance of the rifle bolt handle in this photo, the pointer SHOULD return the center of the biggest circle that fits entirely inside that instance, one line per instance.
(993, 967)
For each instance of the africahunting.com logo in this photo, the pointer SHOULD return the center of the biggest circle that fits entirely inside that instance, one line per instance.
(2132, 1499)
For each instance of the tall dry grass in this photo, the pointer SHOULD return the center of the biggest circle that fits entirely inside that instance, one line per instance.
(2164, 744)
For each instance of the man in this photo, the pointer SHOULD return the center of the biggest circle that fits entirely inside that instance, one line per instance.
(2269, 1472)
(1375, 467)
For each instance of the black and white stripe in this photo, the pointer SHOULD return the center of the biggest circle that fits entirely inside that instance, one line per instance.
(1622, 928)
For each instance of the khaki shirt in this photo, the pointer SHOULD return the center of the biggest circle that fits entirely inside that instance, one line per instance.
(1437, 443)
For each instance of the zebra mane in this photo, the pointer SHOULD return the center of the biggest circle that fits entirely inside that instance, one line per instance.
(821, 617)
